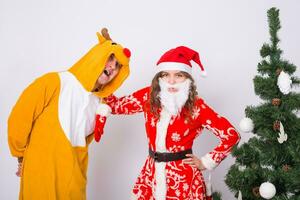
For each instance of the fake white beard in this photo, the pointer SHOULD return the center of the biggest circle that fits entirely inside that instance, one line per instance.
(173, 102)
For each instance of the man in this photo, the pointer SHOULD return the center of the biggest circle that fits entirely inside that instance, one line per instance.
(52, 123)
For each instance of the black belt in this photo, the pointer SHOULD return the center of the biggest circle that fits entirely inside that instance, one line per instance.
(166, 157)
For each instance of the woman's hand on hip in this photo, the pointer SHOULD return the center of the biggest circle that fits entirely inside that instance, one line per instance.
(194, 161)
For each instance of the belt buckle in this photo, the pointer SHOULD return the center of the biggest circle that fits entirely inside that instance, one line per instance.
(155, 157)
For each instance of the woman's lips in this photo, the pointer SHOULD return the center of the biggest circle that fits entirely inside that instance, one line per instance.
(172, 89)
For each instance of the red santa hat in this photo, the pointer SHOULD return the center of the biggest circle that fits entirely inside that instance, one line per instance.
(180, 58)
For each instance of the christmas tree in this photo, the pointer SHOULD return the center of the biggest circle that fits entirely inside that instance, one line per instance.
(268, 165)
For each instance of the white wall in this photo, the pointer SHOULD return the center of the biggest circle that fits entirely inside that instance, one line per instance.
(38, 36)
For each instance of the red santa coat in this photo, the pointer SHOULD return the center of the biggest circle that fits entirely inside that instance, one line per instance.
(174, 134)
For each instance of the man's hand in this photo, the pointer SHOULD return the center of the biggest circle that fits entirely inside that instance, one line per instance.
(20, 166)
(194, 161)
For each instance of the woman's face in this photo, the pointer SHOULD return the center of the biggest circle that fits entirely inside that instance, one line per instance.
(173, 77)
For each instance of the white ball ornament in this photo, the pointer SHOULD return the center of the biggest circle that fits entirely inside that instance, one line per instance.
(284, 83)
(267, 190)
(246, 125)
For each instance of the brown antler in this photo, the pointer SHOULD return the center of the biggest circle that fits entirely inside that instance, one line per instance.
(105, 34)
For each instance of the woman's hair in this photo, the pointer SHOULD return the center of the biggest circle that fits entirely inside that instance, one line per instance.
(155, 103)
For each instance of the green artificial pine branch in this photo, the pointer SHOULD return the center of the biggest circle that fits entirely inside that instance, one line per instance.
(274, 26)
(266, 157)
(216, 196)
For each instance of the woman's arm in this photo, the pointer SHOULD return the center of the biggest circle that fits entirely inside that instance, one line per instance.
(222, 128)
(130, 104)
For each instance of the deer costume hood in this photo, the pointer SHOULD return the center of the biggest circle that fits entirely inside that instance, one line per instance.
(89, 67)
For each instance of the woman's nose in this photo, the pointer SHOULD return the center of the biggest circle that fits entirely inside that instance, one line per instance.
(171, 80)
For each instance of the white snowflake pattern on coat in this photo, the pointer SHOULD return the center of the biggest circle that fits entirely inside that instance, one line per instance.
(175, 137)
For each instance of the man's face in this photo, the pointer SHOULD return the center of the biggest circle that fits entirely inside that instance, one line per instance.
(112, 68)
(173, 77)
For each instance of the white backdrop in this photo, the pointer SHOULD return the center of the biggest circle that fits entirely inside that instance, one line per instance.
(38, 36)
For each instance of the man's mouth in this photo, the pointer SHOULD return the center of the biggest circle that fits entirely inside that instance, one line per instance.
(106, 72)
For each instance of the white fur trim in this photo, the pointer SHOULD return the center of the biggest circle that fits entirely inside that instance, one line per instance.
(161, 130)
(160, 190)
(103, 110)
(160, 143)
(174, 66)
(208, 162)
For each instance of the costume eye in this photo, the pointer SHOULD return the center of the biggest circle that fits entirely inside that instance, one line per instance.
(113, 43)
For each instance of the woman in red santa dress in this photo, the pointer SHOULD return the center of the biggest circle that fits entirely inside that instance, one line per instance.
(175, 116)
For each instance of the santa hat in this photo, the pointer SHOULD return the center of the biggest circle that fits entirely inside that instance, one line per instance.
(180, 58)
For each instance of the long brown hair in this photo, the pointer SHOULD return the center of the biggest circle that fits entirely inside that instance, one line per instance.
(155, 103)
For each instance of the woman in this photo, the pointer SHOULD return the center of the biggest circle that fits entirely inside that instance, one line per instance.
(174, 116)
